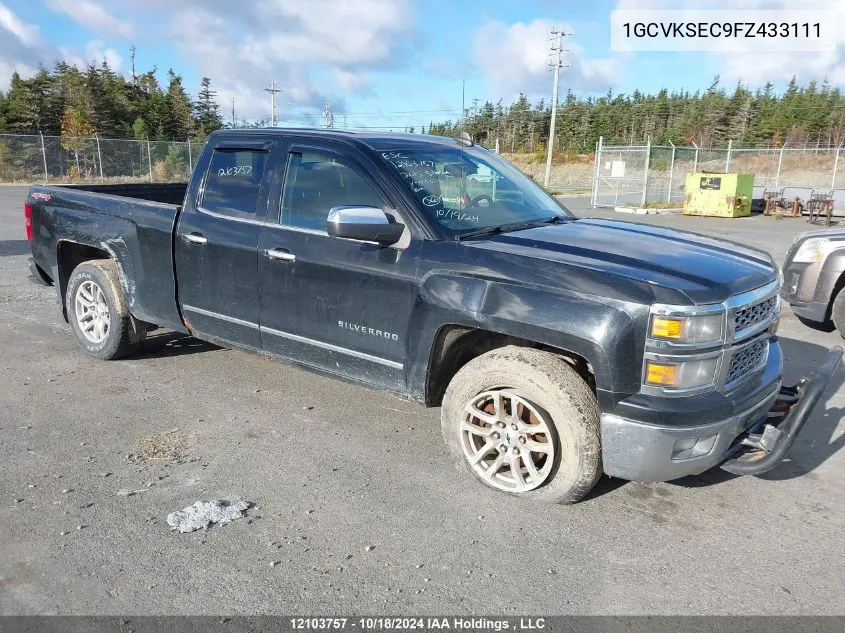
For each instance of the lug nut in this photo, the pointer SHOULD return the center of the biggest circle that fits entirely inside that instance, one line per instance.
(513, 426)
(495, 436)
(522, 439)
(501, 425)
(515, 450)
(503, 448)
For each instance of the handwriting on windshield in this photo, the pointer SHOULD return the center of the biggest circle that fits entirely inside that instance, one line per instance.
(417, 172)
(455, 214)
(235, 171)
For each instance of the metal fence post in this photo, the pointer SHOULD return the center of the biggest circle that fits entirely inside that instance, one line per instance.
(835, 166)
(99, 156)
(671, 173)
(149, 159)
(780, 162)
(695, 163)
(596, 171)
(645, 175)
(728, 160)
(44, 156)
(190, 159)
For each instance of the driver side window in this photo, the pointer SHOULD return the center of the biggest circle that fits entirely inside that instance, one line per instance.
(314, 183)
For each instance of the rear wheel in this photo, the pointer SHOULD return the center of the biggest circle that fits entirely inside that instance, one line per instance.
(97, 311)
(524, 422)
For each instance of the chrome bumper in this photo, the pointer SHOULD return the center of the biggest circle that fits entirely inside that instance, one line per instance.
(647, 453)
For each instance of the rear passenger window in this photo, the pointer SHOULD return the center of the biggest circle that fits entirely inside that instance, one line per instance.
(234, 182)
(314, 183)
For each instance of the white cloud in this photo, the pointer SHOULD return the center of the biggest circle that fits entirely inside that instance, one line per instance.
(21, 46)
(352, 82)
(756, 68)
(94, 54)
(23, 49)
(92, 16)
(291, 42)
(27, 34)
(515, 58)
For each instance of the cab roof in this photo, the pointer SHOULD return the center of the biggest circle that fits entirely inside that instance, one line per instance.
(375, 140)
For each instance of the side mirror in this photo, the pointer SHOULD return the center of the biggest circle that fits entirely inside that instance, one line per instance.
(369, 224)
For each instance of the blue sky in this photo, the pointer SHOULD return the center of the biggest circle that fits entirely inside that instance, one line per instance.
(379, 62)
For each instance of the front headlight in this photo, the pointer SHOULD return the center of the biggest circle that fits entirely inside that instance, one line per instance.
(691, 330)
(814, 250)
(681, 374)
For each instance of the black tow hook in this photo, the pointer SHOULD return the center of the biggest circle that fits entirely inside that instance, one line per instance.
(761, 452)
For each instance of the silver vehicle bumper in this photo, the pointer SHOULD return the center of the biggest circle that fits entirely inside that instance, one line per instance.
(647, 453)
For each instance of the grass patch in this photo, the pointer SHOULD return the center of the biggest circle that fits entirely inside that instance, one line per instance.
(168, 445)
(662, 205)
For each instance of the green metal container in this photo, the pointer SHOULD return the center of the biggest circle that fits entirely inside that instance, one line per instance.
(719, 195)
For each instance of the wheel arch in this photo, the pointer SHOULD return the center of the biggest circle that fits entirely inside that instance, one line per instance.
(69, 255)
(456, 345)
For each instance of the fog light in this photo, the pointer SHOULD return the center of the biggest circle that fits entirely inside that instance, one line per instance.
(690, 447)
(681, 374)
(658, 374)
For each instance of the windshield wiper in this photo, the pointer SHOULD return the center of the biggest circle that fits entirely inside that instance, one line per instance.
(513, 226)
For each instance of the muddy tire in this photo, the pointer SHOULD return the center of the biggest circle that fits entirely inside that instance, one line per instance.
(524, 422)
(97, 311)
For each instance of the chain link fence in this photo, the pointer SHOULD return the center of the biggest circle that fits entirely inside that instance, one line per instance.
(36, 158)
(621, 175)
(642, 174)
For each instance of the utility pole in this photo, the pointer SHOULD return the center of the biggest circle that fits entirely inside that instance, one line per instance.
(328, 117)
(272, 90)
(556, 65)
(233, 112)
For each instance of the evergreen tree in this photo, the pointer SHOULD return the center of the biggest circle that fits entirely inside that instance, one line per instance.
(139, 129)
(207, 110)
(179, 121)
(23, 112)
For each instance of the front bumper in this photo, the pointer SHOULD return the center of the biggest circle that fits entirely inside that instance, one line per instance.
(815, 311)
(808, 288)
(645, 452)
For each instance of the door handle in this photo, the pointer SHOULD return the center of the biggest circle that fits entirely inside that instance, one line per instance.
(280, 253)
(194, 238)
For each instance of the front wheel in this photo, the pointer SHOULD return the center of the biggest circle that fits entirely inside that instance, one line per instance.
(837, 312)
(524, 422)
(97, 311)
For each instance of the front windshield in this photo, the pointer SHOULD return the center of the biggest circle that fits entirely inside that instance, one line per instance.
(469, 189)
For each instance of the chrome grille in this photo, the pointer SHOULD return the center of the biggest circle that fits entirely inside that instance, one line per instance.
(750, 316)
(746, 359)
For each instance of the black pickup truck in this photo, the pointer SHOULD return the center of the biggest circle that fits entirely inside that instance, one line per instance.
(559, 348)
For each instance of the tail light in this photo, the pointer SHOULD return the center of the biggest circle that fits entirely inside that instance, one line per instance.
(27, 214)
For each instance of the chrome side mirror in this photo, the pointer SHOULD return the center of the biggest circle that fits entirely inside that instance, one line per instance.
(369, 224)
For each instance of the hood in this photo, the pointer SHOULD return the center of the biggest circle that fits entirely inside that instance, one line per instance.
(703, 269)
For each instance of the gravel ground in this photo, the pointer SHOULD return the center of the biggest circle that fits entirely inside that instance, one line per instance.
(355, 507)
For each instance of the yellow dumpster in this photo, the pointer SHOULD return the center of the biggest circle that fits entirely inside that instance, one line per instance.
(719, 195)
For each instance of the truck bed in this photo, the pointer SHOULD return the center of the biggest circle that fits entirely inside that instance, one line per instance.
(166, 193)
(132, 224)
